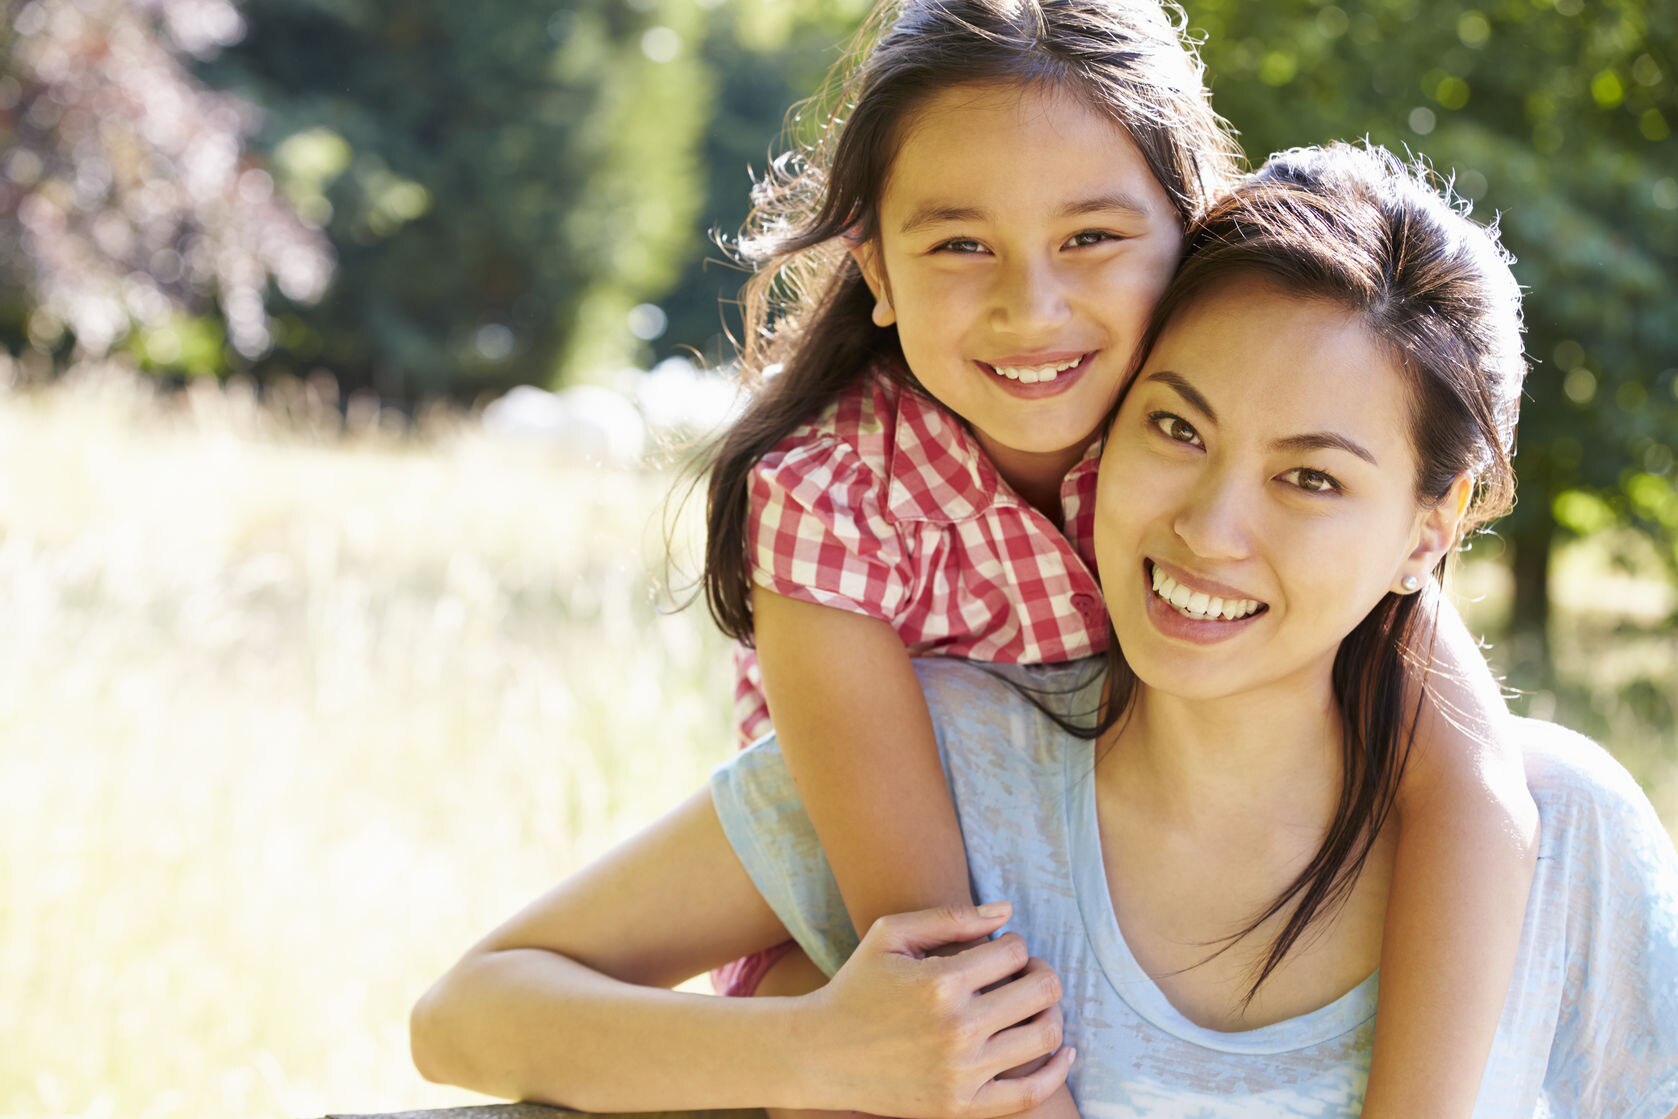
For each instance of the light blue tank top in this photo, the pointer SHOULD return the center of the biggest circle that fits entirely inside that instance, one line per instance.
(1589, 1029)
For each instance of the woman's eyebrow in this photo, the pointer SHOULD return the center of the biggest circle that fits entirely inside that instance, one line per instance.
(1308, 441)
(1324, 441)
(1188, 392)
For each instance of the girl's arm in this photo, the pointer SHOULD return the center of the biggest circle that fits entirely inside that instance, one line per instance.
(854, 729)
(1467, 840)
(562, 1003)
(856, 735)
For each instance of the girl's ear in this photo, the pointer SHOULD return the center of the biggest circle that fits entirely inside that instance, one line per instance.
(1435, 535)
(867, 257)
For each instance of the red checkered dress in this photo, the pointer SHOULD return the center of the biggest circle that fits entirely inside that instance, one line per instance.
(885, 505)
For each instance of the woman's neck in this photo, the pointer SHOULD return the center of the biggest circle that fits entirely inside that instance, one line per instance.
(1273, 755)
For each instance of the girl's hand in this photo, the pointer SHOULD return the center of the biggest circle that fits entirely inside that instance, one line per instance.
(926, 1037)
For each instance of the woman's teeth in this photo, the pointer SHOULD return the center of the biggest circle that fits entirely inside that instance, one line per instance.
(1031, 374)
(1199, 604)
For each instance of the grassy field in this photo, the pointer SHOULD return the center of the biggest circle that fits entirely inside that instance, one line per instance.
(287, 719)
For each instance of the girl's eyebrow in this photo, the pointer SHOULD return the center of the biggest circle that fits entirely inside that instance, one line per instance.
(1308, 441)
(1117, 203)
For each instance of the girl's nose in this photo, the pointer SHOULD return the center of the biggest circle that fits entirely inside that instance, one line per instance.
(1214, 519)
(1030, 300)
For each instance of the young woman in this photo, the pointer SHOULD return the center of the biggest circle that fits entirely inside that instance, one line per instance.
(1194, 836)
(951, 282)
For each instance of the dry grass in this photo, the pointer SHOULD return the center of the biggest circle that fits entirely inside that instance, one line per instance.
(286, 720)
(285, 724)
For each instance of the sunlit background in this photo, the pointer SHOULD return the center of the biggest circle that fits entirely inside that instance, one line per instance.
(348, 353)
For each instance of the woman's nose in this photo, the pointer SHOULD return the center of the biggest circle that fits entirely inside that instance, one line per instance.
(1214, 520)
(1030, 299)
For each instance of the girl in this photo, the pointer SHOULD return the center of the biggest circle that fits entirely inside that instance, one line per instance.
(1326, 401)
(954, 282)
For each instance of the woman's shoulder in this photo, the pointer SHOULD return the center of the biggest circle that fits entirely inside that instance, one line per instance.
(1589, 805)
(1566, 769)
(1016, 709)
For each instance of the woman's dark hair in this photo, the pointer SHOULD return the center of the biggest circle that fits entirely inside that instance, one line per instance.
(1358, 228)
(807, 331)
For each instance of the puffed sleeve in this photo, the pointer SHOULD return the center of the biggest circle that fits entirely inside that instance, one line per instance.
(818, 530)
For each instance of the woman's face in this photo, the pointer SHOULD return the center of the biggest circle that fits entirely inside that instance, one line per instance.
(1257, 494)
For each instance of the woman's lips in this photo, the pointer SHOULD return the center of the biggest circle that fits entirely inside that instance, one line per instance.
(1198, 610)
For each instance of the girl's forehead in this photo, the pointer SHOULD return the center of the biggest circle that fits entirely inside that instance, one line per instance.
(1019, 147)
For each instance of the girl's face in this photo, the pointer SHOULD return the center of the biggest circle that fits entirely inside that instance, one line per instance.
(1023, 242)
(1257, 495)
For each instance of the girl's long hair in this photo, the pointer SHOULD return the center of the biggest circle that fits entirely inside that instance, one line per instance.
(807, 327)
(1358, 228)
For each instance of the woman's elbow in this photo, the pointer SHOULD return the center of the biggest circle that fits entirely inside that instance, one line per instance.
(434, 1033)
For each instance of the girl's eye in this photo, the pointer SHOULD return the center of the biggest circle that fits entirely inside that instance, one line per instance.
(1312, 481)
(964, 245)
(1090, 237)
(1175, 428)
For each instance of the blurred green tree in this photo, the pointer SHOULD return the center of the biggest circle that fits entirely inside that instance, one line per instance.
(503, 181)
(766, 55)
(1557, 115)
(130, 214)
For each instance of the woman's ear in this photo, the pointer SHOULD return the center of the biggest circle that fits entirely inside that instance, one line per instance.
(1436, 534)
(867, 257)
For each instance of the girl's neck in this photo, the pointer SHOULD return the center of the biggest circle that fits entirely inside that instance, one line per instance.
(1035, 475)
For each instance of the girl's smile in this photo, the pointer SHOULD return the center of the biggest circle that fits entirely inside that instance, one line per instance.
(1019, 286)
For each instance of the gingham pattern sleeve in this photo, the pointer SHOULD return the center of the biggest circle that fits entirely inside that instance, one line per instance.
(818, 530)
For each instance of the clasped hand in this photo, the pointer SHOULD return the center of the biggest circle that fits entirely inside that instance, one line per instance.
(910, 1034)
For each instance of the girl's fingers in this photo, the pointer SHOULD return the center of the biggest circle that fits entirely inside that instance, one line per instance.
(1034, 990)
(1036, 1037)
(990, 962)
(1005, 1097)
(920, 932)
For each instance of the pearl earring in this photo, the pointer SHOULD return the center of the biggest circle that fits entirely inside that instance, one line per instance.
(1410, 583)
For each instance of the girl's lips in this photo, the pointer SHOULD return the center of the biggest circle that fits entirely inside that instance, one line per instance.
(1063, 379)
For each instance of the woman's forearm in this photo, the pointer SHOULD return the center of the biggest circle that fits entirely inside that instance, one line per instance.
(896, 1032)
(567, 1001)
(531, 1024)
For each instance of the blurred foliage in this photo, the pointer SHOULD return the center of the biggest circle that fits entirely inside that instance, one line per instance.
(127, 211)
(503, 180)
(518, 193)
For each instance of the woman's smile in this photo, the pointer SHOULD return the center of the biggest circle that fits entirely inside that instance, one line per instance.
(1191, 608)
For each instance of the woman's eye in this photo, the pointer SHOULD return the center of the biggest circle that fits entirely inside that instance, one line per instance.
(964, 245)
(1175, 428)
(1090, 237)
(1312, 481)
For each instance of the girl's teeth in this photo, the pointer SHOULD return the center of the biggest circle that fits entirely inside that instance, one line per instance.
(1033, 374)
(1198, 604)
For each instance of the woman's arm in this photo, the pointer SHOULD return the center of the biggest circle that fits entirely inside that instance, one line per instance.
(562, 1002)
(854, 729)
(1462, 868)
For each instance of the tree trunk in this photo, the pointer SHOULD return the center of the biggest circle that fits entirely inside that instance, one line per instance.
(1529, 619)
